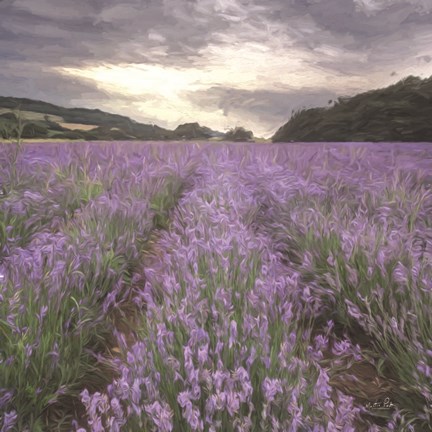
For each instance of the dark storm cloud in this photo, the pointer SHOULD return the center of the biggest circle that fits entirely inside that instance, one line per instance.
(35, 82)
(119, 31)
(109, 30)
(381, 31)
(39, 34)
(268, 107)
(365, 19)
(106, 31)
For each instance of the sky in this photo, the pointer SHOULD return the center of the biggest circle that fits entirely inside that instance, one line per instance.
(222, 63)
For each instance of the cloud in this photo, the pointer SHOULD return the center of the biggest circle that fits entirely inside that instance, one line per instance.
(262, 111)
(175, 32)
(425, 58)
(250, 61)
(72, 32)
(35, 81)
(372, 7)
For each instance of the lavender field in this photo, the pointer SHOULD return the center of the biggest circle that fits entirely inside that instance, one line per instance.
(215, 287)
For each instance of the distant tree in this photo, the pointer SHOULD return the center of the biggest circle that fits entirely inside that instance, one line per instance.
(239, 134)
(6, 131)
(34, 130)
(12, 127)
(11, 131)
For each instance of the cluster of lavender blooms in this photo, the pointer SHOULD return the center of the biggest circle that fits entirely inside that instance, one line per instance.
(261, 257)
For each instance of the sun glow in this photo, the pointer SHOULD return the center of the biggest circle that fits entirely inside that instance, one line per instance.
(162, 92)
(249, 66)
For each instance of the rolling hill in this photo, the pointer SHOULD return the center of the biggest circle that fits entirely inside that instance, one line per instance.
(45, 120)
(400, 112)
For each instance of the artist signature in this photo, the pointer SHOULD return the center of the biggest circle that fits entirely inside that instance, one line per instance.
(386, 404)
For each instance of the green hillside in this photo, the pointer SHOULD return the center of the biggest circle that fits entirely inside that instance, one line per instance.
(400, 112)
(45, 120)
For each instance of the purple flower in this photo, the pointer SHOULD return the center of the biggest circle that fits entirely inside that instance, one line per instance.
(271, 387)
(341, 348)
(9, 421)
(123, 388)
(116, 407)
(198, 335)
(28, 350)
(98, 405)
(192, 416)
(252, 357)
(353, 310)
(314, 354)
(110, 300)
(196, 392)
(161, 416)
(296, 420)
(136, 392)
(248, 324)
(287, 312)
(5, 397)
(220, 400)
(85, 397)
(322, 389)
(96, 425)
(40, 316)
(219, 347)
(203, 354)
(240, 374)
(329, 327)
(233, 333)
(263, 328)
(188, 362)
(218, 379)
(321, 342)
(184, 399)
(210, 408)
(424, 369)
(232, 403)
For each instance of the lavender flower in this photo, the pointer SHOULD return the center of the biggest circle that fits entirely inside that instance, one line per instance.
(232, 403)
(5, 397)
(233, 334)
(267, 227)
(161, 414)
(271, 387)
(9, 421)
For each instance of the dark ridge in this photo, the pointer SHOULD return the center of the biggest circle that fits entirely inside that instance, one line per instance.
(400, 112)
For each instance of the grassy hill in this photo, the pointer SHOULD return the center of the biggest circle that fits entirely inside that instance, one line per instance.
(195, 131)
(45, 120)
(400, 112)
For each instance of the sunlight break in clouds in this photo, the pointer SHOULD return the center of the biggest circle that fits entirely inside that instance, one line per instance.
(249, 66)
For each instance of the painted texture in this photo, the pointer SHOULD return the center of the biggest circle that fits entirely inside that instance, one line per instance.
(221, 63)
(185, 287)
